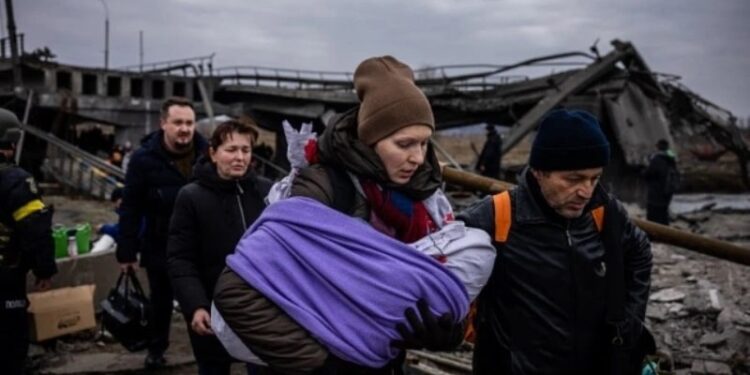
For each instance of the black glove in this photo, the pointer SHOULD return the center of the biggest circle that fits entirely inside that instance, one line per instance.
(429, 332)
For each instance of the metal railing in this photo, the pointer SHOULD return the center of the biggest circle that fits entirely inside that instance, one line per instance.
(76, 168)
(204, 65)
(468, 77)
(285, 78)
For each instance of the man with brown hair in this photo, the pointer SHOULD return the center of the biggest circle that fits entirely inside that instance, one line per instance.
(156, 172)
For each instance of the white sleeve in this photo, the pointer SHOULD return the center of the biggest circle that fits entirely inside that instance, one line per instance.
(230, 341)
(468, 253)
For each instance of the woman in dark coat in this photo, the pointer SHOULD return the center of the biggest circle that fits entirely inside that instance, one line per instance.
(210, 216)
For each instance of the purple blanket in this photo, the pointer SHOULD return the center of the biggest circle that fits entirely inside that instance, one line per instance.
(340, 279)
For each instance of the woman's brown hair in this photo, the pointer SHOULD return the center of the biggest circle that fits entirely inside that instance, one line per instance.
(224, 130)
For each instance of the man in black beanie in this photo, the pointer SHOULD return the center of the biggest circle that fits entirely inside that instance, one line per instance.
(560, 299)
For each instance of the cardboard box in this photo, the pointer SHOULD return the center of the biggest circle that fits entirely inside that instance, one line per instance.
(61, 311)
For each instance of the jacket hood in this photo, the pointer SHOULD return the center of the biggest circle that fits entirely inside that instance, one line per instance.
(339, 146)
(204, 172)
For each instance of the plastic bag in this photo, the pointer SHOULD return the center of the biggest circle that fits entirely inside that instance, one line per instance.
(126, 313)
(299, 144)
(467, 252)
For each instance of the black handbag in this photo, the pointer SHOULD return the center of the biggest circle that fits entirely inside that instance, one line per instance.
(126, 313)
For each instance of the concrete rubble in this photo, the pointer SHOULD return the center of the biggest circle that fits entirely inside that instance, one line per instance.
(699, 306)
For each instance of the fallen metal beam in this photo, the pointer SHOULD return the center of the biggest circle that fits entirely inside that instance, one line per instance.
(659, 233)
(579, 81)
(24, 120)
(447, 155)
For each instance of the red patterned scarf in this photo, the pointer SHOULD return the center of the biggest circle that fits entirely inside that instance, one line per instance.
(409, 219)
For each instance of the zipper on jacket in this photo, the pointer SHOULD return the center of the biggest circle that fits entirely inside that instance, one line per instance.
(241, 192)
(573, 292)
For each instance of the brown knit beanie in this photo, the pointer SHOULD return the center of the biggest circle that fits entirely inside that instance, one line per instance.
(389, 99)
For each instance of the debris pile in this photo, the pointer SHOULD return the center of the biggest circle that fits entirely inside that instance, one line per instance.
(699, 308)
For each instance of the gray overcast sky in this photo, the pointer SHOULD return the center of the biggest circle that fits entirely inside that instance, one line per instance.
(705, 42)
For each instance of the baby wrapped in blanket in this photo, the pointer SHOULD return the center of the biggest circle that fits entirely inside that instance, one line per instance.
(348, 284)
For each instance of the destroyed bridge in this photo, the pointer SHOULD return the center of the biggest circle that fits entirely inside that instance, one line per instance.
(636, 106)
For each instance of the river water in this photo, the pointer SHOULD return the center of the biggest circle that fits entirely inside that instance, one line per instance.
(687, 203)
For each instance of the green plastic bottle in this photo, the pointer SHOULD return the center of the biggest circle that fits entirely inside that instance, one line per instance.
(83, 238)
(60, 239)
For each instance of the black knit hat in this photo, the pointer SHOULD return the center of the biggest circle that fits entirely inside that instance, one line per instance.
(569, 140)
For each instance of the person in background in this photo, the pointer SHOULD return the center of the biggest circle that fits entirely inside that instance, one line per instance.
(25, 243)
(490, 158)
(210, 215)
(127, 152)
(547, 308)
(115, 156)
(156, 172)
(662, 180)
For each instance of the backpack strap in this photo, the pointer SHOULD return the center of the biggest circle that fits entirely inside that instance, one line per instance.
(502, 207)
(598, 215)
(501, 203)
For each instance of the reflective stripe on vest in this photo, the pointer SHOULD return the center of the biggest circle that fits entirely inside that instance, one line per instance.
(502, 216)
(28, 209)
(598, 215)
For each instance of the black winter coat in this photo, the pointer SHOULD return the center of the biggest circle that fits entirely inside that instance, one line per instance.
(490, 156)
(25, 233)
(151, 186)
(658, 193)
(543, 309)
(210, 216)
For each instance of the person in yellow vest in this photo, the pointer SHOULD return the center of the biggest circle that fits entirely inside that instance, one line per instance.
(571, 279)
(25, 244)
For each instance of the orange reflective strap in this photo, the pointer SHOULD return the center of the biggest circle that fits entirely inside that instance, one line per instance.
(502, 216)
(470, 334)
(598, 215)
